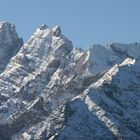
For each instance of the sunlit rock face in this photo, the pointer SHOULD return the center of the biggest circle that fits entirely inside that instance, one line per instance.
(50, 90)
(10, 43)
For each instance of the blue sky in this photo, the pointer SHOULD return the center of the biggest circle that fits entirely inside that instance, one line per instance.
(85, 22)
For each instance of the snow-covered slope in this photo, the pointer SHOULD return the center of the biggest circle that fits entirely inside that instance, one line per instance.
(51, 90)
(107, 109)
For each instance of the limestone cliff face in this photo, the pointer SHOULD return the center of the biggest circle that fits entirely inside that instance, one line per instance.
(51, 90)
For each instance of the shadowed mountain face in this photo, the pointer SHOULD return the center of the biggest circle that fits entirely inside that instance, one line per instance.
(50, 90)
(10, 43)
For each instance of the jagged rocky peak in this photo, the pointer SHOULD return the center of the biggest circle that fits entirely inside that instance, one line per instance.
(56, 31)
(5, 24)
(43, 26)
(53, 91)
(42, 54)
(8, 33)
(48, 35)
(10, 43)
(49, 41)
(100, 58)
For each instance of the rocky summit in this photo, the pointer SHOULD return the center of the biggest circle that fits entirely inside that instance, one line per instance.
(50, 90)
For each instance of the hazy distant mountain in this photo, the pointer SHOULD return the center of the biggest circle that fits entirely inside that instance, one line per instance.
(50, 90)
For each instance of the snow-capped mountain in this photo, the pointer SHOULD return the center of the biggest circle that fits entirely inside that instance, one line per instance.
(50, 90)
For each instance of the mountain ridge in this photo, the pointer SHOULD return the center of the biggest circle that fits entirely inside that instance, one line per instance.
(51, 90)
